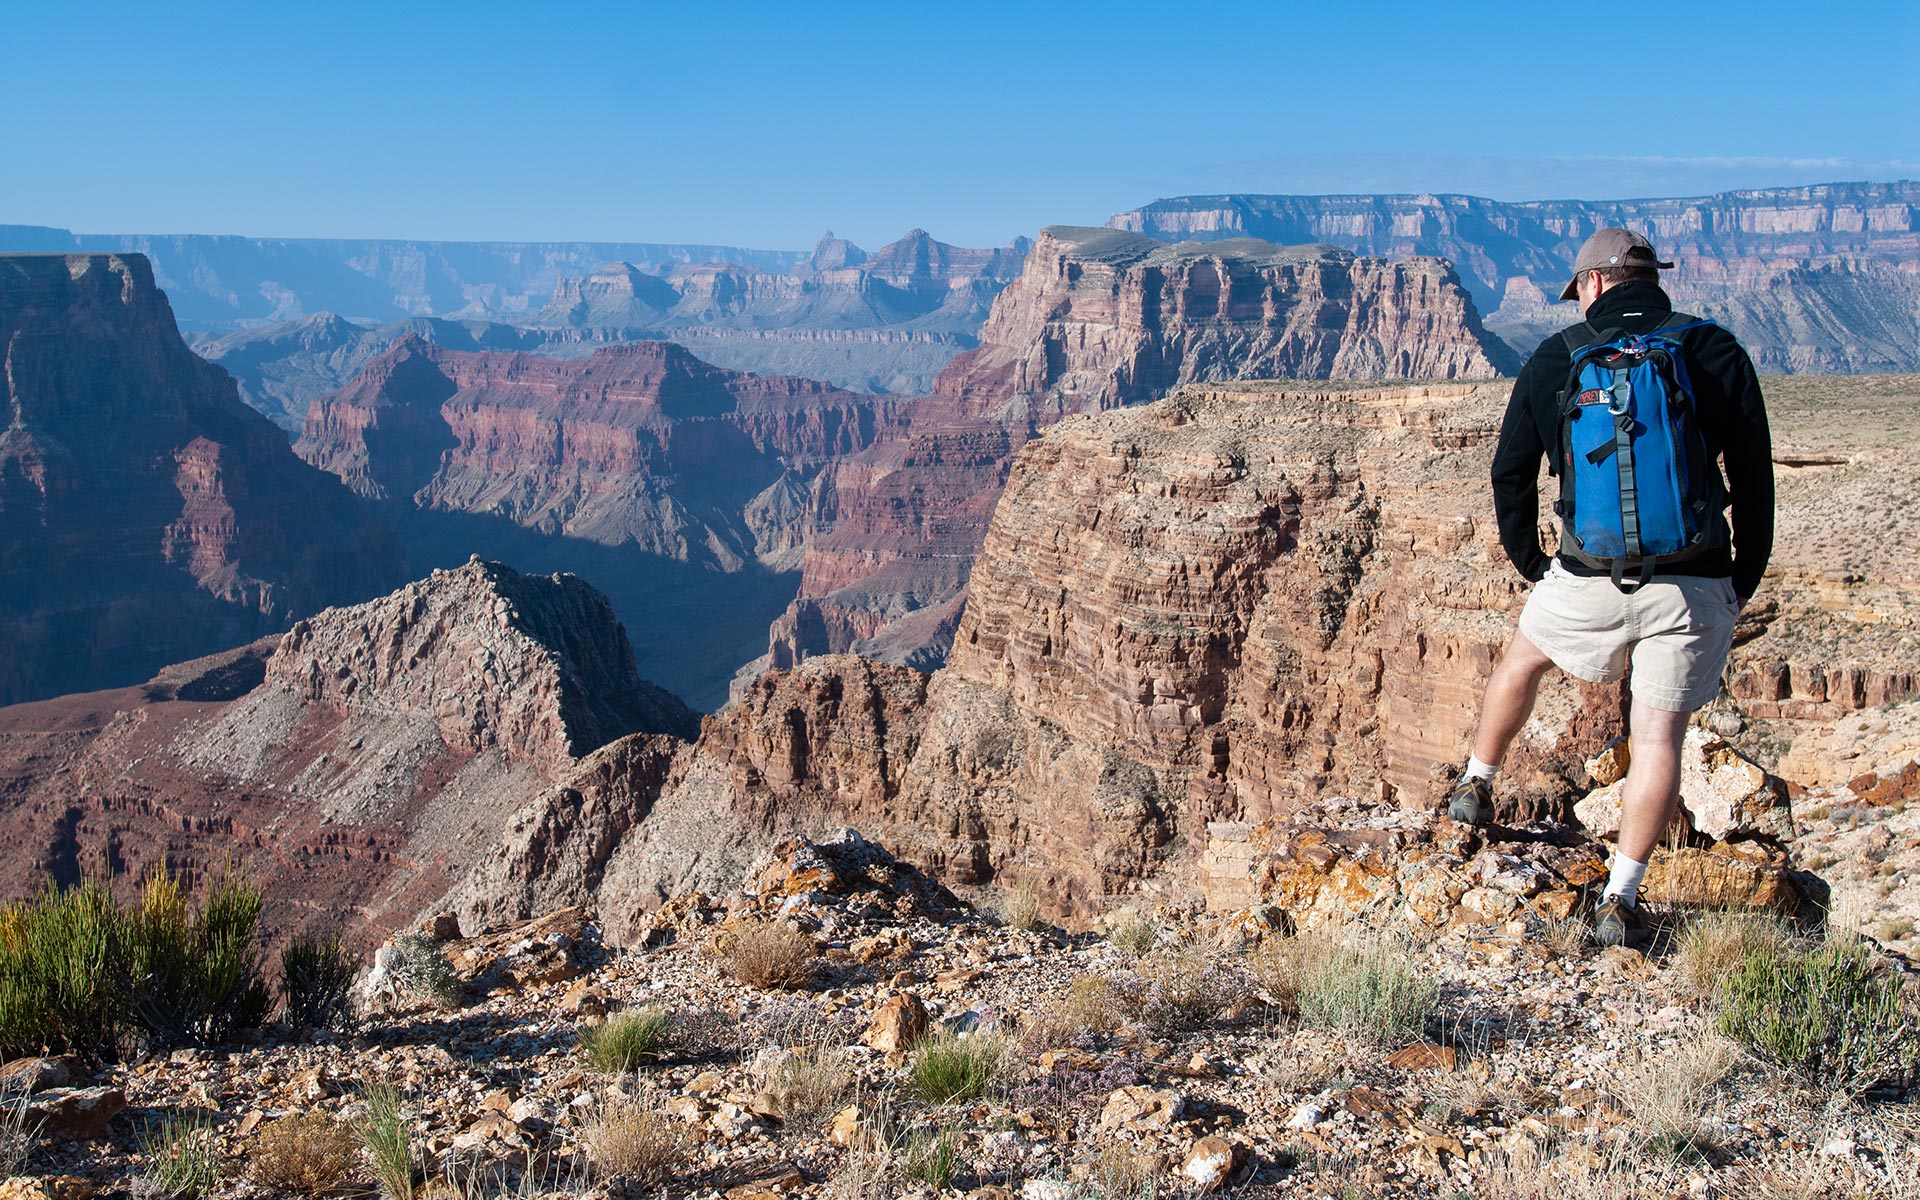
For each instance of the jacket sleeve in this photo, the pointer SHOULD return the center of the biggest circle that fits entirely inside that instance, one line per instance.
(1748, 455)
(1516, 480)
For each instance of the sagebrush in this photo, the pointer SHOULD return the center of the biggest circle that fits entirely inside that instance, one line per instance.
(1831, 1016)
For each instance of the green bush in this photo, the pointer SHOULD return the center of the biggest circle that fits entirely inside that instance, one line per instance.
(195, 976)
(77, 971)
(62, 975)
(931, 1157)
(1830, 1016)
(422, 973)
(625, 1040)
(316, 982)
(948, 1068)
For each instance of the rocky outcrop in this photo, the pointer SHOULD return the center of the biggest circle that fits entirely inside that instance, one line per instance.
(1819, 278)
(362, 765)
(537, 668)
(146, 515)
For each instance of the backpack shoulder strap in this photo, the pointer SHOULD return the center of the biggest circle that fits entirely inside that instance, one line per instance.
(1681, 322)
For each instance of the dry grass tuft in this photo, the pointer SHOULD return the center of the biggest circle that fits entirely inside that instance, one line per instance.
(1086, 1010)
(768, 954)
(1020, 909)
(1669, 1096)
(1133, 934)
(311, 1154)
(1367, 984)
(625, 1140)
(1711, 944)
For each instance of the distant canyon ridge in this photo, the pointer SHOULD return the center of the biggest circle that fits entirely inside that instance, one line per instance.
(1820, 279)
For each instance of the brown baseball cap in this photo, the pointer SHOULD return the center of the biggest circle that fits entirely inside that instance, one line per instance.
(1612, 248)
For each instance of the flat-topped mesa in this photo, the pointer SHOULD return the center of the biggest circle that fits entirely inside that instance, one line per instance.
(147, 516)
(1817, 278)
(536, 667)
(1101, 318)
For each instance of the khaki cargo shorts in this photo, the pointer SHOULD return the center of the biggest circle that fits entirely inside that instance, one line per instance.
(1675, 629)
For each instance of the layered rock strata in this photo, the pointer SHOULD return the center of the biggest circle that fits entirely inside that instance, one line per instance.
(146, 515)
(1098, 319)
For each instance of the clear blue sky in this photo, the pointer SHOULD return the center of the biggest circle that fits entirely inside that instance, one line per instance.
(763, 124)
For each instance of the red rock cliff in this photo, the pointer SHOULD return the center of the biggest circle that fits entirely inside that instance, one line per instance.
(146, 514)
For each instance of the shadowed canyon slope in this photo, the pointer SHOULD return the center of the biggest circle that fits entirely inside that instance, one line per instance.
(361, 762)
(1097, 319)
(146, 514)
(1819, 279)
(677, 486)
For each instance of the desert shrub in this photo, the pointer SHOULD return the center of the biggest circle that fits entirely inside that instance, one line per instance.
(316, 982)
(1133, 934)
(1367, 986)
(180, 1159)
(806, 1081)
(625, 1040)
(628, 1141)
(194, 976)
(1830, 1016)
(421, 972)
(1119, 1173)
(389, 1143)
(768, 954)
(62, 982)
(1712, 943)
(1176, 991)
(1075, 1018)
(311, 1153)
(948, 1068)
(77, 970)
(1020, 909)
(932, 1157)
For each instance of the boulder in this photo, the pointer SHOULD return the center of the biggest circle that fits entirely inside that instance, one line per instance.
(1139, 1108)
(1727, 875)
(1723, 793)
(897, 1024)
(36, 1075)
(76, 1112)
(1212, 1163)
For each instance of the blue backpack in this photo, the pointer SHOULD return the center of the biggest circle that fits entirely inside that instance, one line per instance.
(1637, 490)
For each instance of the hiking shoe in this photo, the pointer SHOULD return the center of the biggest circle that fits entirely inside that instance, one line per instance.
(1471, 800)
(1614, 922)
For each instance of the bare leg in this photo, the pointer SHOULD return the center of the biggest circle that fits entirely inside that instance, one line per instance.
(1652, 789)
(1510, 695)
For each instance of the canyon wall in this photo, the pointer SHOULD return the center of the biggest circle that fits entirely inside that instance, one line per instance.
(1823, 278)
(1098, 319)
(146, 514)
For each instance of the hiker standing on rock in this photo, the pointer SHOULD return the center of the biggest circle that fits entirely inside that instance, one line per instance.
(1636, 409)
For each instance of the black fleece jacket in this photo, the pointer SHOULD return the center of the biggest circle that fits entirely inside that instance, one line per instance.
(1731, 415)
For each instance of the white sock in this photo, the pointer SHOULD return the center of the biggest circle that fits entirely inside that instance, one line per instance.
(1479, 770)
(1624, 879)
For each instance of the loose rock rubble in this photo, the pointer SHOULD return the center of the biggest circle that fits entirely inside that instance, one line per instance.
(1522, 1087)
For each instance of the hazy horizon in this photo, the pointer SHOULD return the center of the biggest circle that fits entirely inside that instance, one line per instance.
(762, 125)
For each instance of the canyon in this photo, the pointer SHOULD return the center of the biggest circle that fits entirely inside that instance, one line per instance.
(149, 516)
(1821, 279)
(1192, 626)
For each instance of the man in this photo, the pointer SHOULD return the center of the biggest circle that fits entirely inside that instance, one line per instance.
(1673, 629)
